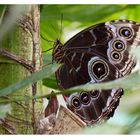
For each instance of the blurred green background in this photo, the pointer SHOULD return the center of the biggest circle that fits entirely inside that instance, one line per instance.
(78, 17)
(62, 22)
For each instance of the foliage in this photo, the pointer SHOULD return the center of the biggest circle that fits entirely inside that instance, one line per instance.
(4, 109)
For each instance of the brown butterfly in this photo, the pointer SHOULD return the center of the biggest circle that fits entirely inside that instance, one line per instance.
(97, 54)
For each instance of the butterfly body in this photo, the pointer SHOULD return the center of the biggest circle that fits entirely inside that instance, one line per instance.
(97, 54)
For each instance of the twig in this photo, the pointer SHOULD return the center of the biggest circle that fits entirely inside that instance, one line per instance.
(17, 59)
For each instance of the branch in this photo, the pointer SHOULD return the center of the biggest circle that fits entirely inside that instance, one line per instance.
(17, 59)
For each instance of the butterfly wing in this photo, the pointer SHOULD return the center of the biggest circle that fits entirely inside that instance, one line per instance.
(99, 106)
(97, 54)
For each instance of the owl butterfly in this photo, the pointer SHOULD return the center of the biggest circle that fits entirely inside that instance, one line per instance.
(97, 54)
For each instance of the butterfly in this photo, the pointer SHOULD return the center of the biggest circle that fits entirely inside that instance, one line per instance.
(97, 54)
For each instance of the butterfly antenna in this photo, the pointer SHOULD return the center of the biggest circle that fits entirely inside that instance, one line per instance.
(47, 41)
(48, 50)
(61, 26)
(50, 41)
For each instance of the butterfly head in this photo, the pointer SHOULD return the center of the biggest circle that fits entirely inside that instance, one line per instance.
(58, 52)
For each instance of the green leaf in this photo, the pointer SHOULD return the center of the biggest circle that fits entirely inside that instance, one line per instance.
(2, 7)
(135, 52)
(46, 72)
(80, 13)
(50, 82)
(130, 82)
(47, 58)
(131, 99)
(4, 109)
